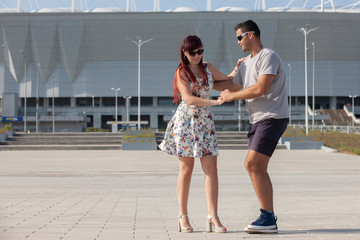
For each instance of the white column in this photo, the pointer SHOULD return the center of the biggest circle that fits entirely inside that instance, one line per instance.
(73, 5)
(37, 99)
(313, 88)
(290, 92)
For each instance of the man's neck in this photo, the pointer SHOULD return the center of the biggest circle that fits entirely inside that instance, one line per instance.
(256, 49)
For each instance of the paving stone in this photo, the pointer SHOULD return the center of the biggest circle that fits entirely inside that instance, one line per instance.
(132, 195)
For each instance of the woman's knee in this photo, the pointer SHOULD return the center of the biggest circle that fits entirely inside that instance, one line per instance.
(211, 171)
(186, 170)
(209, 166)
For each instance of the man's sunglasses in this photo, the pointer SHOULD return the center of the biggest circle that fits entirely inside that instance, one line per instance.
(243, 35)
(198, 52)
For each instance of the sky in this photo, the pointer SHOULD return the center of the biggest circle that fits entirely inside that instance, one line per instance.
(147, 5)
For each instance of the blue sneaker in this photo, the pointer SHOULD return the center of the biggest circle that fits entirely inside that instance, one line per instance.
(266, 223)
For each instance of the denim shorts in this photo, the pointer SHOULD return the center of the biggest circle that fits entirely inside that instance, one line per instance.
(264, 135)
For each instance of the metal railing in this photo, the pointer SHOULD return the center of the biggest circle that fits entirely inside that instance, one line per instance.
(339, 128)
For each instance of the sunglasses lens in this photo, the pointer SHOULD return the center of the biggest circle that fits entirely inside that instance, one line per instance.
(198, 52)
(242, 36)
(192, 53)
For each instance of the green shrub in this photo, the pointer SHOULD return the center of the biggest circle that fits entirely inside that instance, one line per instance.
(139, 136)
(343, 142)
(356, 151)
(92, 129)
(7, 127)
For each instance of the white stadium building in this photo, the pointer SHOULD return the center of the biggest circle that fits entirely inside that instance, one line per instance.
(67, 65)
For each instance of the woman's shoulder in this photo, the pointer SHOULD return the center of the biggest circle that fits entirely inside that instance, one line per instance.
(207, 64)
(209, 67)
(180, 73)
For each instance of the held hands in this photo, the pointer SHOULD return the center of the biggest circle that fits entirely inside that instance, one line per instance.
(219, 101)
(216, 102)
(226, 96)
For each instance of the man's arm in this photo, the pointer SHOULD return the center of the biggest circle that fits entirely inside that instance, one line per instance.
(257, 90)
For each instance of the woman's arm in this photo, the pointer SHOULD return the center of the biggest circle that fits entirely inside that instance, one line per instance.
(183, 84)
(222, 81)
(234, 71)
(219, 76)
(216, 74)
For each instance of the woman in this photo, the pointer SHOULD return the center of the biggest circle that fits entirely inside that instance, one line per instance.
(191, 132)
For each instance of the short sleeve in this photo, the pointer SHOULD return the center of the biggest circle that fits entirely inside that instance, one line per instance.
(269, 64)
(237, 79)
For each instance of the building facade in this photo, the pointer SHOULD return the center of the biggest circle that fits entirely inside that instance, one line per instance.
(74, 59)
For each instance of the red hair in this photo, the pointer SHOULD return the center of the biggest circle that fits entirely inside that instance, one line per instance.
(189, 43)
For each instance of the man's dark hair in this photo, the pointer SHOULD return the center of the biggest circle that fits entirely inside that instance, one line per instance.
(248, 26)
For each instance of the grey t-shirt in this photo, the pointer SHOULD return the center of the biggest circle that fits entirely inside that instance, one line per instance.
(274, 104)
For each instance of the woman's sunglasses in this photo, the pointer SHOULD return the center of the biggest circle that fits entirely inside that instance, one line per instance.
(198, 52)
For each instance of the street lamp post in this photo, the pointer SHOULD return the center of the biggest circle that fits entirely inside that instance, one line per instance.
(37, 98)
(313, 88)
(116, 105)
(53, 103)
(139, 43)
(353, 97)
(289, 65)
(25, 95)
(306, 31)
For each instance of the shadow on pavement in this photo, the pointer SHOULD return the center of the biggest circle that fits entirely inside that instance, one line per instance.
(324, 231)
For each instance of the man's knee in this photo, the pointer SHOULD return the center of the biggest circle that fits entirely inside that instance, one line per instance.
(256, 162)
(251, 166)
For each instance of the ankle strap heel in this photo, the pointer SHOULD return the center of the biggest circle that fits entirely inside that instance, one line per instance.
(210, 225)
(187, 229)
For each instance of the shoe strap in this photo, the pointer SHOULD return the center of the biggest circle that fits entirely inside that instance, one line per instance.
(184, 228)
(221, 227)
(212, 216)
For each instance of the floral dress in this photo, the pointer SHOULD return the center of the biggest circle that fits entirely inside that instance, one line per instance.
(191, 131)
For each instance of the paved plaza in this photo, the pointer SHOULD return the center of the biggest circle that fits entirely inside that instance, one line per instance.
(111, 195)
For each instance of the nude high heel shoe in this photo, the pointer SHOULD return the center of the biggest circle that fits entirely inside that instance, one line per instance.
(210, 225)
(187, 229)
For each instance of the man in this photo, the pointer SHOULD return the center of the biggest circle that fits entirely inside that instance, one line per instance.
(262, 78)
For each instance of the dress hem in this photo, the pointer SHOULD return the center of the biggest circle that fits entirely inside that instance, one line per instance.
(174, 154)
